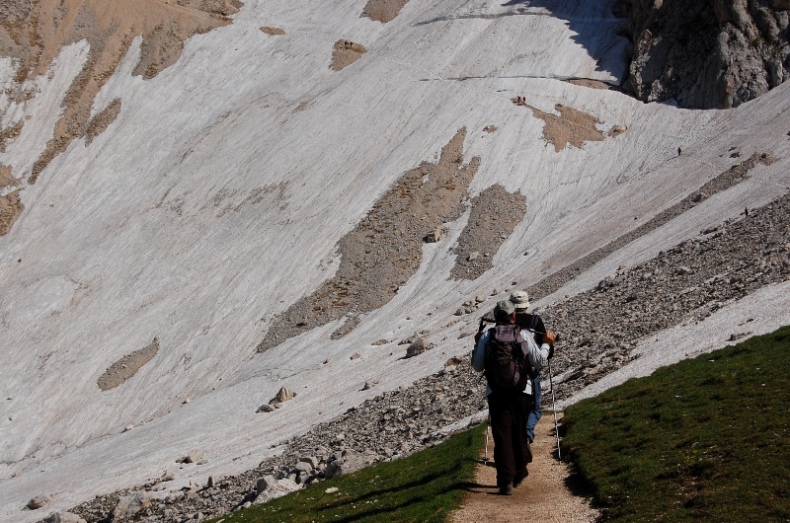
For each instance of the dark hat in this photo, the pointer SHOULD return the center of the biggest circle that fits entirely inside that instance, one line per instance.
(503, 310)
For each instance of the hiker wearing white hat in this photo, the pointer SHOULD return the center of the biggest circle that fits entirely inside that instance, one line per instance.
(507, 356)
(532, 325)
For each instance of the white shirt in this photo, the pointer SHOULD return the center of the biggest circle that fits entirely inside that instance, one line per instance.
(537, 357)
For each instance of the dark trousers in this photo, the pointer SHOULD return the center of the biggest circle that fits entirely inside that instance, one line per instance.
(509, 427)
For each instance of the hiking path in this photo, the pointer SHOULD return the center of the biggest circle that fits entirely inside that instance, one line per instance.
(544, 496)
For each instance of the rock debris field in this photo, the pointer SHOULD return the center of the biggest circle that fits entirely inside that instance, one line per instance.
(599, 328)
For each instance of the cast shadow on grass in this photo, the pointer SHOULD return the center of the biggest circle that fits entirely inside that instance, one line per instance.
(380, 514)
(425, 480)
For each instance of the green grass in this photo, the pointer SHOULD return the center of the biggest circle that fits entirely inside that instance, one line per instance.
(423, 487)
(707, 439)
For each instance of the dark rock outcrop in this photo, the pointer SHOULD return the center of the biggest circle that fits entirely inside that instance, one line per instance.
(707, 54)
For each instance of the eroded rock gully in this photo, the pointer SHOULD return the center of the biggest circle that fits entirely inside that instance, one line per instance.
(384, 250)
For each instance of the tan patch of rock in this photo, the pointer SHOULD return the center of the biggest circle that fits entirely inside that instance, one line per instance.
(126, 367)
(346, 53)
(385, 249)
(33, 33)
(592, 84)
(102, 120)
(10, 209)
(495, 213)
(6, 177)
(572, 126)
(383, 10)
(10, 133)
(272, 31)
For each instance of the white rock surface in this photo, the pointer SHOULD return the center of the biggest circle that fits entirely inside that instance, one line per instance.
(156, 230)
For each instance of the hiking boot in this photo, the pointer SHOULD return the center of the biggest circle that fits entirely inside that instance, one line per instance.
(506, 490)
(520, 477)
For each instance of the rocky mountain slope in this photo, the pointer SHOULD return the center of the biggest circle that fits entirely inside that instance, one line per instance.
(707, 54)
(231, 202)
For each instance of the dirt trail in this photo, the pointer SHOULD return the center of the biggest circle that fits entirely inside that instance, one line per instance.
(542, 497)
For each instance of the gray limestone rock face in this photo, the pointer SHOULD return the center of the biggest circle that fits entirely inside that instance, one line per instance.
(707, 54)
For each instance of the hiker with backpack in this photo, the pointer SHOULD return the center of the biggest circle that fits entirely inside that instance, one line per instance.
(508, 358)
(531, 324)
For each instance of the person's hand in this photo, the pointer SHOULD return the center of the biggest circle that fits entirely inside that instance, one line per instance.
(549, 338)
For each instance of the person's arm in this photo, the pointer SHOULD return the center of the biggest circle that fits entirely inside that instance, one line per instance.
(537, 357)
(479, 353)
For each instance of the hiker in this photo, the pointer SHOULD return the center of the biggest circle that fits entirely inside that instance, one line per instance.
(531, 324)
(509, 402)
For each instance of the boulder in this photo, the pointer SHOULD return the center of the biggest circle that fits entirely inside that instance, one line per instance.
(130, 505)
(38, 502)
(284, 394)
(192, 457)
(417, 347)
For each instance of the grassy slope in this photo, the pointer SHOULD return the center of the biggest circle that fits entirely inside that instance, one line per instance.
(707, 439)
(423, 487)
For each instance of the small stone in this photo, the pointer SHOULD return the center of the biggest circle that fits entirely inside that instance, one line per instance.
(128, 506)
(266, 408)
(417, 347)
(169, 475)
(192, 457)
(128, 428)
(618, 129)
(369, 385)
(284, 394)
(38, 502)
(303, 467)
(355, 356)
(331, 490)
(473, 256)
(265, 483)
(434, 236)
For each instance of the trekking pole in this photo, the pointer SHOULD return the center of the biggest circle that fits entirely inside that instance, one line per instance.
(554, 405)
(487, 430)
